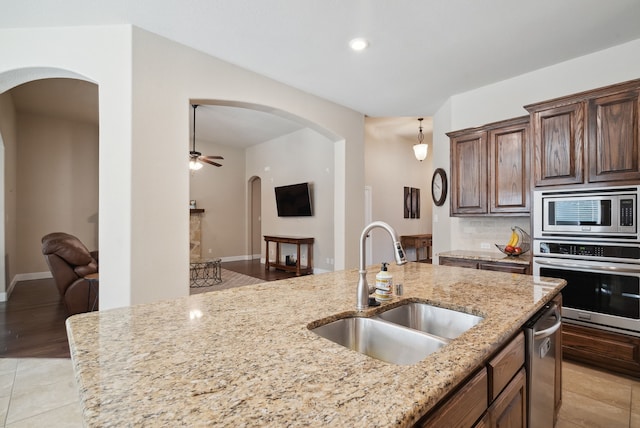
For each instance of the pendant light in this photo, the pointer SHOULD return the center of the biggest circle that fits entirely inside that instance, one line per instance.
(420, 150)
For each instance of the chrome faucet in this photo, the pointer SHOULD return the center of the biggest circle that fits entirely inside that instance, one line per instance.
(362, 301)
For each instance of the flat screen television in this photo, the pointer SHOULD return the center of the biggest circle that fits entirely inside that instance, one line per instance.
(294, 200)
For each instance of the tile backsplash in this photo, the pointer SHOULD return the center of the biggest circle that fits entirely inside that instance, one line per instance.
(472, 232)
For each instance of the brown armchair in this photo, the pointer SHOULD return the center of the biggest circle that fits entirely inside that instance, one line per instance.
(70, 262)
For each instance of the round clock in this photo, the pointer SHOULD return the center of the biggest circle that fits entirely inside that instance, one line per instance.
(439, 186)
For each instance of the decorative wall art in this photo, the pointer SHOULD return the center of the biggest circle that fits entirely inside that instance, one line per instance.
(411, 202)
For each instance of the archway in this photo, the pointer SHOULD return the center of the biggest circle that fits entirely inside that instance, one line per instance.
(23, 259)
(275, 148)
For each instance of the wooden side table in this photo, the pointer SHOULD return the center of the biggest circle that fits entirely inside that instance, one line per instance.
(297, 241)
(418, 242)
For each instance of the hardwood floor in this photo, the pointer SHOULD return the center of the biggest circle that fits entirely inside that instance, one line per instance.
(32, 321)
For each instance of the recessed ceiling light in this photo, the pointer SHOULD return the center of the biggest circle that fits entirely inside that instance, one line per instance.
(359, 44)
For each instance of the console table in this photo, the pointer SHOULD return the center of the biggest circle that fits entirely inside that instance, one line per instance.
(290, 267)
(418, 242)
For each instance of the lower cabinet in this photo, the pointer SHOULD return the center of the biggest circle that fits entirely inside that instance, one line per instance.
(510, 408)
(611, 351)
(495, 396)
(485, 265)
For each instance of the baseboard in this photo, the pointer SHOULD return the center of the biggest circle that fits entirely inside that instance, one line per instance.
(237, 258)
(23, 277)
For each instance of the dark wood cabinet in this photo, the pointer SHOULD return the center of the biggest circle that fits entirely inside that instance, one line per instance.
(613, 137)
(611, 351)
(590, 137)
(490, 169)
(485, 265)
(469, 173)
(494, 397)
(509, 168)
(558, 134)
(509, 410)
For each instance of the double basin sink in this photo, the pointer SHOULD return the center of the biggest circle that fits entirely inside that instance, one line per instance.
(402, 335)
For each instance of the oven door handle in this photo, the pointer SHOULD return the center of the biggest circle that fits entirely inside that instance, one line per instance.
(549, 331)
(588, 267)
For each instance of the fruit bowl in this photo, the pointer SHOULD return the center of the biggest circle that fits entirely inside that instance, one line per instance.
(519, 243)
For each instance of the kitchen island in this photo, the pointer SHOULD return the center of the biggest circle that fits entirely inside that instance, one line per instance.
(246, 356)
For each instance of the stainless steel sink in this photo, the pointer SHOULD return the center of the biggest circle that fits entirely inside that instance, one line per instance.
(382, 340)
(441, 322)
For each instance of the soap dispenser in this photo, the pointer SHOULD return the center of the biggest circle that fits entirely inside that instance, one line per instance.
(384, 284)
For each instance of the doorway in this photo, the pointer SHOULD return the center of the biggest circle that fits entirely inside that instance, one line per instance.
(255, 216)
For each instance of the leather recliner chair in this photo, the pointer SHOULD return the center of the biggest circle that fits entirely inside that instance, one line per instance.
(70, 262)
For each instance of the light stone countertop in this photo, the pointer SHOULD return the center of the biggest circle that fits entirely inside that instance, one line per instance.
(245, 356)
(488, 256)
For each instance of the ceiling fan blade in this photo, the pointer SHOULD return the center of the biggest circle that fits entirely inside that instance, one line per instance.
(210, 162)
(213, 157)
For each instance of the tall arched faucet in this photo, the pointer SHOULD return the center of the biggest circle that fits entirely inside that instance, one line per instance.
(363, 287)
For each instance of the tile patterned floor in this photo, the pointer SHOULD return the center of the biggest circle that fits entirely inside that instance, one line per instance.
(593, 398)
(42, 392)
(38, 392)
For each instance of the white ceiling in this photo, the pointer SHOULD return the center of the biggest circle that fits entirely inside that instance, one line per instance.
(421, 52)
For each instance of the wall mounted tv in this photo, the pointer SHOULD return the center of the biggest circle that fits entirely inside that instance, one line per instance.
(294, 200)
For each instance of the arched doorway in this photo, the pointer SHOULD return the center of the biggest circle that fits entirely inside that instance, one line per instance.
(51, 183)
(255, 216)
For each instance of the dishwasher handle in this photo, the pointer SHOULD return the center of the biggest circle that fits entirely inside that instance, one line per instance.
(549, 331)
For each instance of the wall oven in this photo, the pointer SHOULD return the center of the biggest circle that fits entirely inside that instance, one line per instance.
(591, 239)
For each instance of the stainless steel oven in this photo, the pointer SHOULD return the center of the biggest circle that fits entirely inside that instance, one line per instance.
(605, 214)
(599, 294)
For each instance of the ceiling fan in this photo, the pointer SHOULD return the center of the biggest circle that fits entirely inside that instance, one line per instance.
(196, 158)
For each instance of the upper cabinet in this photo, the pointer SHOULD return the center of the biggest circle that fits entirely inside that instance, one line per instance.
(590, 137)
(490, 169)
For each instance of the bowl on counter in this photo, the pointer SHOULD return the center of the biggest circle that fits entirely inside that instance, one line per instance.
(523, 243)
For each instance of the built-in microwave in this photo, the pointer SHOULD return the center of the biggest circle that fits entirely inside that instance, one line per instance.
(609, 213)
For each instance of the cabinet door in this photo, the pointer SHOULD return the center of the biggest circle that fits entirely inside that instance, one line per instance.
(558, 141)
(452, 261)
(613, 137)
(610, 351)
(505, 267)
(464, 408)
(508, 169)
(469, 173)
(510, 408)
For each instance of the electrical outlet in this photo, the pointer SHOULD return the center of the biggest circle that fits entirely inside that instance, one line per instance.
(485, 246)
(209, 250)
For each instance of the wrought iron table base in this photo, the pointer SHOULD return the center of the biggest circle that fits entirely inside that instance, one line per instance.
(205, 273)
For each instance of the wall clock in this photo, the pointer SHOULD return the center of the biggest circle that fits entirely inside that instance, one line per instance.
(439, 186)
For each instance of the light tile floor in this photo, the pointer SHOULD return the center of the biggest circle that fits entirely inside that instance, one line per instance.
(38, 392)
(42, 392)
(593, 398)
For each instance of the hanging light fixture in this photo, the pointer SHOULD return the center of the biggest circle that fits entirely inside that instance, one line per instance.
(194, 161)
(420, 150)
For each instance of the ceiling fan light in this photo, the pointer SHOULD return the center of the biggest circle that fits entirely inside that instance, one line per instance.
(195, 165)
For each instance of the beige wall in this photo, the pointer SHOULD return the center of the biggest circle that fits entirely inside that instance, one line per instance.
(221, 193)
(166, 78)
(57, 185)
(8, 181)
(390, 165)
(302, 156)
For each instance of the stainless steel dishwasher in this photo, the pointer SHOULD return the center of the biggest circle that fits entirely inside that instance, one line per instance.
(541, 334)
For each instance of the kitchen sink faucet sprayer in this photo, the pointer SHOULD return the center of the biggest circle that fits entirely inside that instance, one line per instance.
(362, 301)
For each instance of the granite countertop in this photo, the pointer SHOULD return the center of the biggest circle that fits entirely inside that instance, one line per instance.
(488, 256)
(245, 356)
